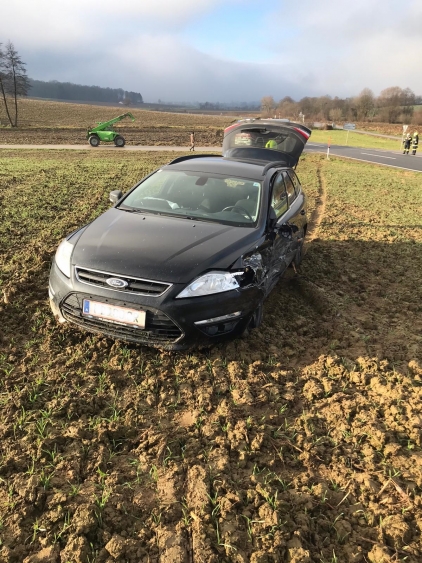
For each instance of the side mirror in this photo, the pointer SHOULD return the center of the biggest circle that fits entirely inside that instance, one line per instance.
(272, 219)
(115, 195)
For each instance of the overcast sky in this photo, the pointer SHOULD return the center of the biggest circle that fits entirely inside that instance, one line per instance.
(220, 50)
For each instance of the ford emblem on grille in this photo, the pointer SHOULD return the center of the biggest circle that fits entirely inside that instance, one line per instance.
(117, 283)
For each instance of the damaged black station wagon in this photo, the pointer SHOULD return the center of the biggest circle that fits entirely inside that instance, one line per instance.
(188, 255)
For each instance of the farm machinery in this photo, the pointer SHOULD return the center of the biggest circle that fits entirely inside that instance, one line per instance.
(104, 132)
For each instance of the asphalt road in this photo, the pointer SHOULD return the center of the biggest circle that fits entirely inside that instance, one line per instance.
(394, 159)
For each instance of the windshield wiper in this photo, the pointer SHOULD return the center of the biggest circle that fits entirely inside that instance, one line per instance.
(181, 216)
(199, 219)
(134, 209)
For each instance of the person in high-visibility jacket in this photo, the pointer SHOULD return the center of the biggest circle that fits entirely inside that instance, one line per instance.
(415, 142)
(271, 144)
(406, 143)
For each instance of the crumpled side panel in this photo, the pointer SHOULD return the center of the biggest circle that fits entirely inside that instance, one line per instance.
(255, 270)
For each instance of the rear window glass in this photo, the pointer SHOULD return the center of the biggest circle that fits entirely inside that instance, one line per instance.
(257, 138)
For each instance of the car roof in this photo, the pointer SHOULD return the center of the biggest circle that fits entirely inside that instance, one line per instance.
(255, 170)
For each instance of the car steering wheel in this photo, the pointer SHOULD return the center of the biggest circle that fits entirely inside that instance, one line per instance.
(237, 209)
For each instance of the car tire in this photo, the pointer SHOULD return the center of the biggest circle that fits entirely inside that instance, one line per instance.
(119, 141)
(297, 260)
(255, 321)
(94, 140)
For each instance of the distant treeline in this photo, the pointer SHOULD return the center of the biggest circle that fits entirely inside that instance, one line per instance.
(68, 91)
(393, 105)
(217, 106)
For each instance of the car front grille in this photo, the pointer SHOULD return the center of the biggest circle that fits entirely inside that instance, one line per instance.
(159, 328)
(134, 285)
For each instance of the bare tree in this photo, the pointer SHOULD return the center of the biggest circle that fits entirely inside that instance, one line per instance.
(390, 101)
(365, 104)
(286, 99)
(3, 82)
(267, 105)
(287, 107)
(396, 104)
(13, 80)
(408, 101)
(335, 114)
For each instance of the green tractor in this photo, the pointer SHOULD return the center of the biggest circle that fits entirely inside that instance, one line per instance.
(105, 132)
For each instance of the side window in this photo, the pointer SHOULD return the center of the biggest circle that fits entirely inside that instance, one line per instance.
(279, 196)
(291, 194)
(295, 181)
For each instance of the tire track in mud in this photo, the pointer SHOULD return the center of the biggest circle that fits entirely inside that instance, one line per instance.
(319, 211)
(315, 296)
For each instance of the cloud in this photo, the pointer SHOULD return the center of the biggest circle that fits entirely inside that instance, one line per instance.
(330, 46)
(164, 67)
(346, 46)
(62, 23)
(175, 11)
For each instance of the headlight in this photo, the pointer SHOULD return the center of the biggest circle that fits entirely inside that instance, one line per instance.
(63, 255)
(214, 282)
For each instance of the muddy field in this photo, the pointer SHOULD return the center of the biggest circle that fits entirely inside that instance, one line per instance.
(148, 136)
(43, 122)
(41, 113)
(299, 444)
(395, 129)
(383, 128)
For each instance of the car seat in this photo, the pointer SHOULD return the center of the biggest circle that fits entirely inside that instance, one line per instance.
(216, 196)
(259, 142)
(250, 200)
(185, 193)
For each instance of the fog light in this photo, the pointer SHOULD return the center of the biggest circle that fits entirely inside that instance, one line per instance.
(214, 320)
(217, 326)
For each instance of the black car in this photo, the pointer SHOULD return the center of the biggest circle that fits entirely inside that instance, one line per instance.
(189, 254)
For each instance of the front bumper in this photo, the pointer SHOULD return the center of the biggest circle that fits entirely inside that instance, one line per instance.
(170, 322)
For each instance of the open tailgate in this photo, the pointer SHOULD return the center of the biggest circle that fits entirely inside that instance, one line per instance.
(266, 139)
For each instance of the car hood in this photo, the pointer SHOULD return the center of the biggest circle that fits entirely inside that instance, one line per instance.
(247, 139)
(158, 247)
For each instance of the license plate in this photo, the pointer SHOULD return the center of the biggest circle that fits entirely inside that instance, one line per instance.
(115, 314)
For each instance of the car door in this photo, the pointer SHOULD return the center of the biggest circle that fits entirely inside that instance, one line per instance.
(295, 216)
(280, 236)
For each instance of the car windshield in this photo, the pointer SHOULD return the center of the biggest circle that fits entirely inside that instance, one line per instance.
(197, 195)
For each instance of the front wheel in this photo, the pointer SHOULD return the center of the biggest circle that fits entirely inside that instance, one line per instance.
(119, 141)
(297, 260)
(94, 141)
(255, 321)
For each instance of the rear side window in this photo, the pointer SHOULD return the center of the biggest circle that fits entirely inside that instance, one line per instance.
(295, 181)
(290, 189)
(279, 197)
